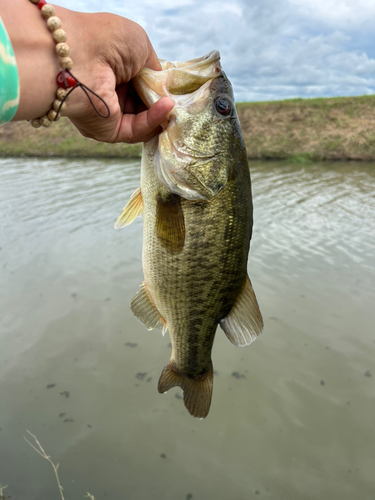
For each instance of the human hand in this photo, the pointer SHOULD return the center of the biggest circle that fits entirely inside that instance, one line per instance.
(108, 51)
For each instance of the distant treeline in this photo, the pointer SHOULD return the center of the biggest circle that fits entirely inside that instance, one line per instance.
(341, 128)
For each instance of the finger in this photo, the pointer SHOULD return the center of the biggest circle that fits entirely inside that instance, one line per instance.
(134, 128)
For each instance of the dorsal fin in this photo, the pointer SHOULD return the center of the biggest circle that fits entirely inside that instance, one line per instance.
(145, 310)
(132, 209)
(170, 225)
(244, 322)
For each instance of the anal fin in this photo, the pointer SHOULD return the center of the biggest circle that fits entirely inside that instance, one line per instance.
(244, 322)
(145, 310)
(132, 209)
(197, 392)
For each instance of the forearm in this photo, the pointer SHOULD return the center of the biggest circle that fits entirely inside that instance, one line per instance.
(38, 63)
(35, 54)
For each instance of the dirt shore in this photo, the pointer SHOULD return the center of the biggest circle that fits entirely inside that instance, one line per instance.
(341, 128)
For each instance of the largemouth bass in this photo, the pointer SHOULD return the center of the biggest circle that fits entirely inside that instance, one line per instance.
(195, 196)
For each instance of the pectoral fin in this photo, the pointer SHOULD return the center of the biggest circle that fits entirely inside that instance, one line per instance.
(133, 208)
(244, 322)
(170, 225)
(145, 310)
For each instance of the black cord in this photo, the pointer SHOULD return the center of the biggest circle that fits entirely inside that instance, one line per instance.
(86, 90)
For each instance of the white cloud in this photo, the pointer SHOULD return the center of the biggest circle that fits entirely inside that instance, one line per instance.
(338, 12)
(269, 49)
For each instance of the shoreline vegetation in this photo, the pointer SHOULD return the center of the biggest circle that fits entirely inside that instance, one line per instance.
(339, 128)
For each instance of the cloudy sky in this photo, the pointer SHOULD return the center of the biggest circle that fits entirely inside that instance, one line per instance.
(270, 49)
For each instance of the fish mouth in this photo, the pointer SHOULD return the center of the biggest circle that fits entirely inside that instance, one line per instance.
(202, 63)
(183, 165)
(177, 78)
(188, 84)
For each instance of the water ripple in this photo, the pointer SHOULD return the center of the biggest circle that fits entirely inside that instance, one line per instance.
(323, 210)
(301, 212)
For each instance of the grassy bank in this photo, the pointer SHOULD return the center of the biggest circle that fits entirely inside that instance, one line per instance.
(341, 128)
(62, 139)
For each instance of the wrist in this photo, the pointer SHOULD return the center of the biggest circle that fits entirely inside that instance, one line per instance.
(35, 51)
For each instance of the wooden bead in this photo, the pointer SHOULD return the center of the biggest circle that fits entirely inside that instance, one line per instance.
(35, 123)
(59, 36)
(61, 93)
(34, 1)
(56, 105)
(66, 62)
(62, 49)
(48, 10)
(53, 23)
(44, 121)
(52, 115)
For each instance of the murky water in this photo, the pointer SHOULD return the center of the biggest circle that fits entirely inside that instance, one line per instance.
(293, 415)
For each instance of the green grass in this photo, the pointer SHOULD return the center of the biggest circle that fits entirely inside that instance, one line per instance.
(310, 129)
(62, 139)
(297, 129)
(318, 102)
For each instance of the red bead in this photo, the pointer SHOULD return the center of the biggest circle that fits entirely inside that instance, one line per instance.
(60, 80)
(41, 3)
(70, 81)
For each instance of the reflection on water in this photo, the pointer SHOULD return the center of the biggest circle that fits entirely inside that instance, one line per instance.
(292, 415)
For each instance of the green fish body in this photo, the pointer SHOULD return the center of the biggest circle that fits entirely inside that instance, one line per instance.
(195, 197)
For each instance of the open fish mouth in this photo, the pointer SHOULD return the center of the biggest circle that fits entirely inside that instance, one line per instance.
(177, 78)
(180, 156)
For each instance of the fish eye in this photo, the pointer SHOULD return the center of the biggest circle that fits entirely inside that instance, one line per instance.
(223, 106)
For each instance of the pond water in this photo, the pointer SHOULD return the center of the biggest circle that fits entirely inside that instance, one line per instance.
(292, 415)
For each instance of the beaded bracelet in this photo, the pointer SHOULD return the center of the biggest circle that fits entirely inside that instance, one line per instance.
(66, 82)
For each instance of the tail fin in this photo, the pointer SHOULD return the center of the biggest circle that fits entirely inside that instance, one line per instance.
(197, 392)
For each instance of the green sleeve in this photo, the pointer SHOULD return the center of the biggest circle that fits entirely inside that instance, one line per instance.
(9, 81)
